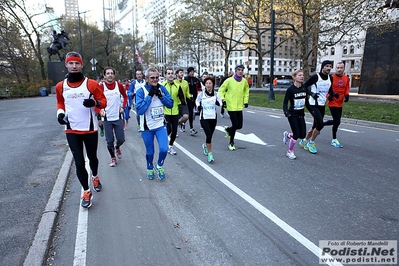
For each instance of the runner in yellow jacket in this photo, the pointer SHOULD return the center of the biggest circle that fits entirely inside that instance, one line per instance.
(234, 93)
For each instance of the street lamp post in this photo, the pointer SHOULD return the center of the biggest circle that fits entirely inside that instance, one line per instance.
(271, 91)
(93, 68)
(80, 34)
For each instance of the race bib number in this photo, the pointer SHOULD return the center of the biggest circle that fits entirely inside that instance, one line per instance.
(157, 113)
(299, 104)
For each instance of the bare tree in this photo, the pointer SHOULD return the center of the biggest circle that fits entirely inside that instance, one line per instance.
(30, 31)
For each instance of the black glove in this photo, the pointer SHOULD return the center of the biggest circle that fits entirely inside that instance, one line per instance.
(330, 97)
(245, 105)
(346, 98)
(61, 120)
(217, 103)
(336, 95)
(89, 103)
(159, 93)
(199, 108)
(314, 95)
(287, 114)
(153, 91)
(224, 104)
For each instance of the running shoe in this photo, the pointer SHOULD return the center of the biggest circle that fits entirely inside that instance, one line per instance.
(150, 174)
(97, 184)
(226, 129)
(101, 132)
(285, 137)
(290, 155)
(304, 144)
(172, 151)
(182, 127)
(119, 153)
(205, 149)
(193, 132)
(231, 147)
(336, 143)
(161, 172)
(113, 162)
(312, 148)
(86, 199)
(210, 157)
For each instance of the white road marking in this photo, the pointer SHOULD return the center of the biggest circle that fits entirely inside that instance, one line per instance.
(283, 225)
(245, 137)
(348, 130)
(251, 112)
(275, 116)
(79, 258)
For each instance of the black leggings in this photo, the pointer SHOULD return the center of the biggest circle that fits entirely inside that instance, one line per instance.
(336, 113)
(90, 141)
(172, 122)
(318, 114)
(236, 119)
(298, 126)
(208, 125)
(190, 105)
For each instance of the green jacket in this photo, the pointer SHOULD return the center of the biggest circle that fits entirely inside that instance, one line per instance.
(235, 93)
(186, 90)
(173, 90)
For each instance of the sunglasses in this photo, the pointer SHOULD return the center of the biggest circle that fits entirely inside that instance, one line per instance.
(154, 77)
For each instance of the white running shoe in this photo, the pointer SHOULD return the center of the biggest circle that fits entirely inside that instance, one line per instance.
(172, 151)
(193, 132)
(285, 137)
(290, 155)
(113, 162)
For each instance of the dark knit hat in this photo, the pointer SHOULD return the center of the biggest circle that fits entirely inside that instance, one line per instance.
(326, 62)
(189, 69)
(239, 66)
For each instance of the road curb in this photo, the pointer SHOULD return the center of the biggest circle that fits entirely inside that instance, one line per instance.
(38, 250)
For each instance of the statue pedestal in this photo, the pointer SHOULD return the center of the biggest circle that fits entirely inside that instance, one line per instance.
(56, 71)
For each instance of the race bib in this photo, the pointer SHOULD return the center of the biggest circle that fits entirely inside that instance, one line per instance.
(299, 104)
(157, 112)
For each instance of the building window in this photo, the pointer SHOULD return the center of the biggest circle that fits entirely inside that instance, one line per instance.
(345, 50)
(332, 51)
(240, 53)
(352, 49)
(250, 53)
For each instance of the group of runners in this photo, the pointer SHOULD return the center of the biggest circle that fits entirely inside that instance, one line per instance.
(84, 105)
(332, 90)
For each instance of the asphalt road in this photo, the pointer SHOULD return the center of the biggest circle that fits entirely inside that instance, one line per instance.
(202, 214)
(32, 152)
(223, 214)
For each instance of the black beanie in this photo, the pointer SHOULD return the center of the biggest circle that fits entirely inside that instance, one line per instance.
(326, 62)
(189, 69)
(239, 66)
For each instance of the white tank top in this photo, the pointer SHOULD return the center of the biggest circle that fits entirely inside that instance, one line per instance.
(154, 115)
(321, 88)
(80, 117)
(113, 102)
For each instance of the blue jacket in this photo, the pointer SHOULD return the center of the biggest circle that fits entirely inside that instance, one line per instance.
(142, 103)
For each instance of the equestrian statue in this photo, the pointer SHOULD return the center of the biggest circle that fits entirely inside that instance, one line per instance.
(60, 41)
